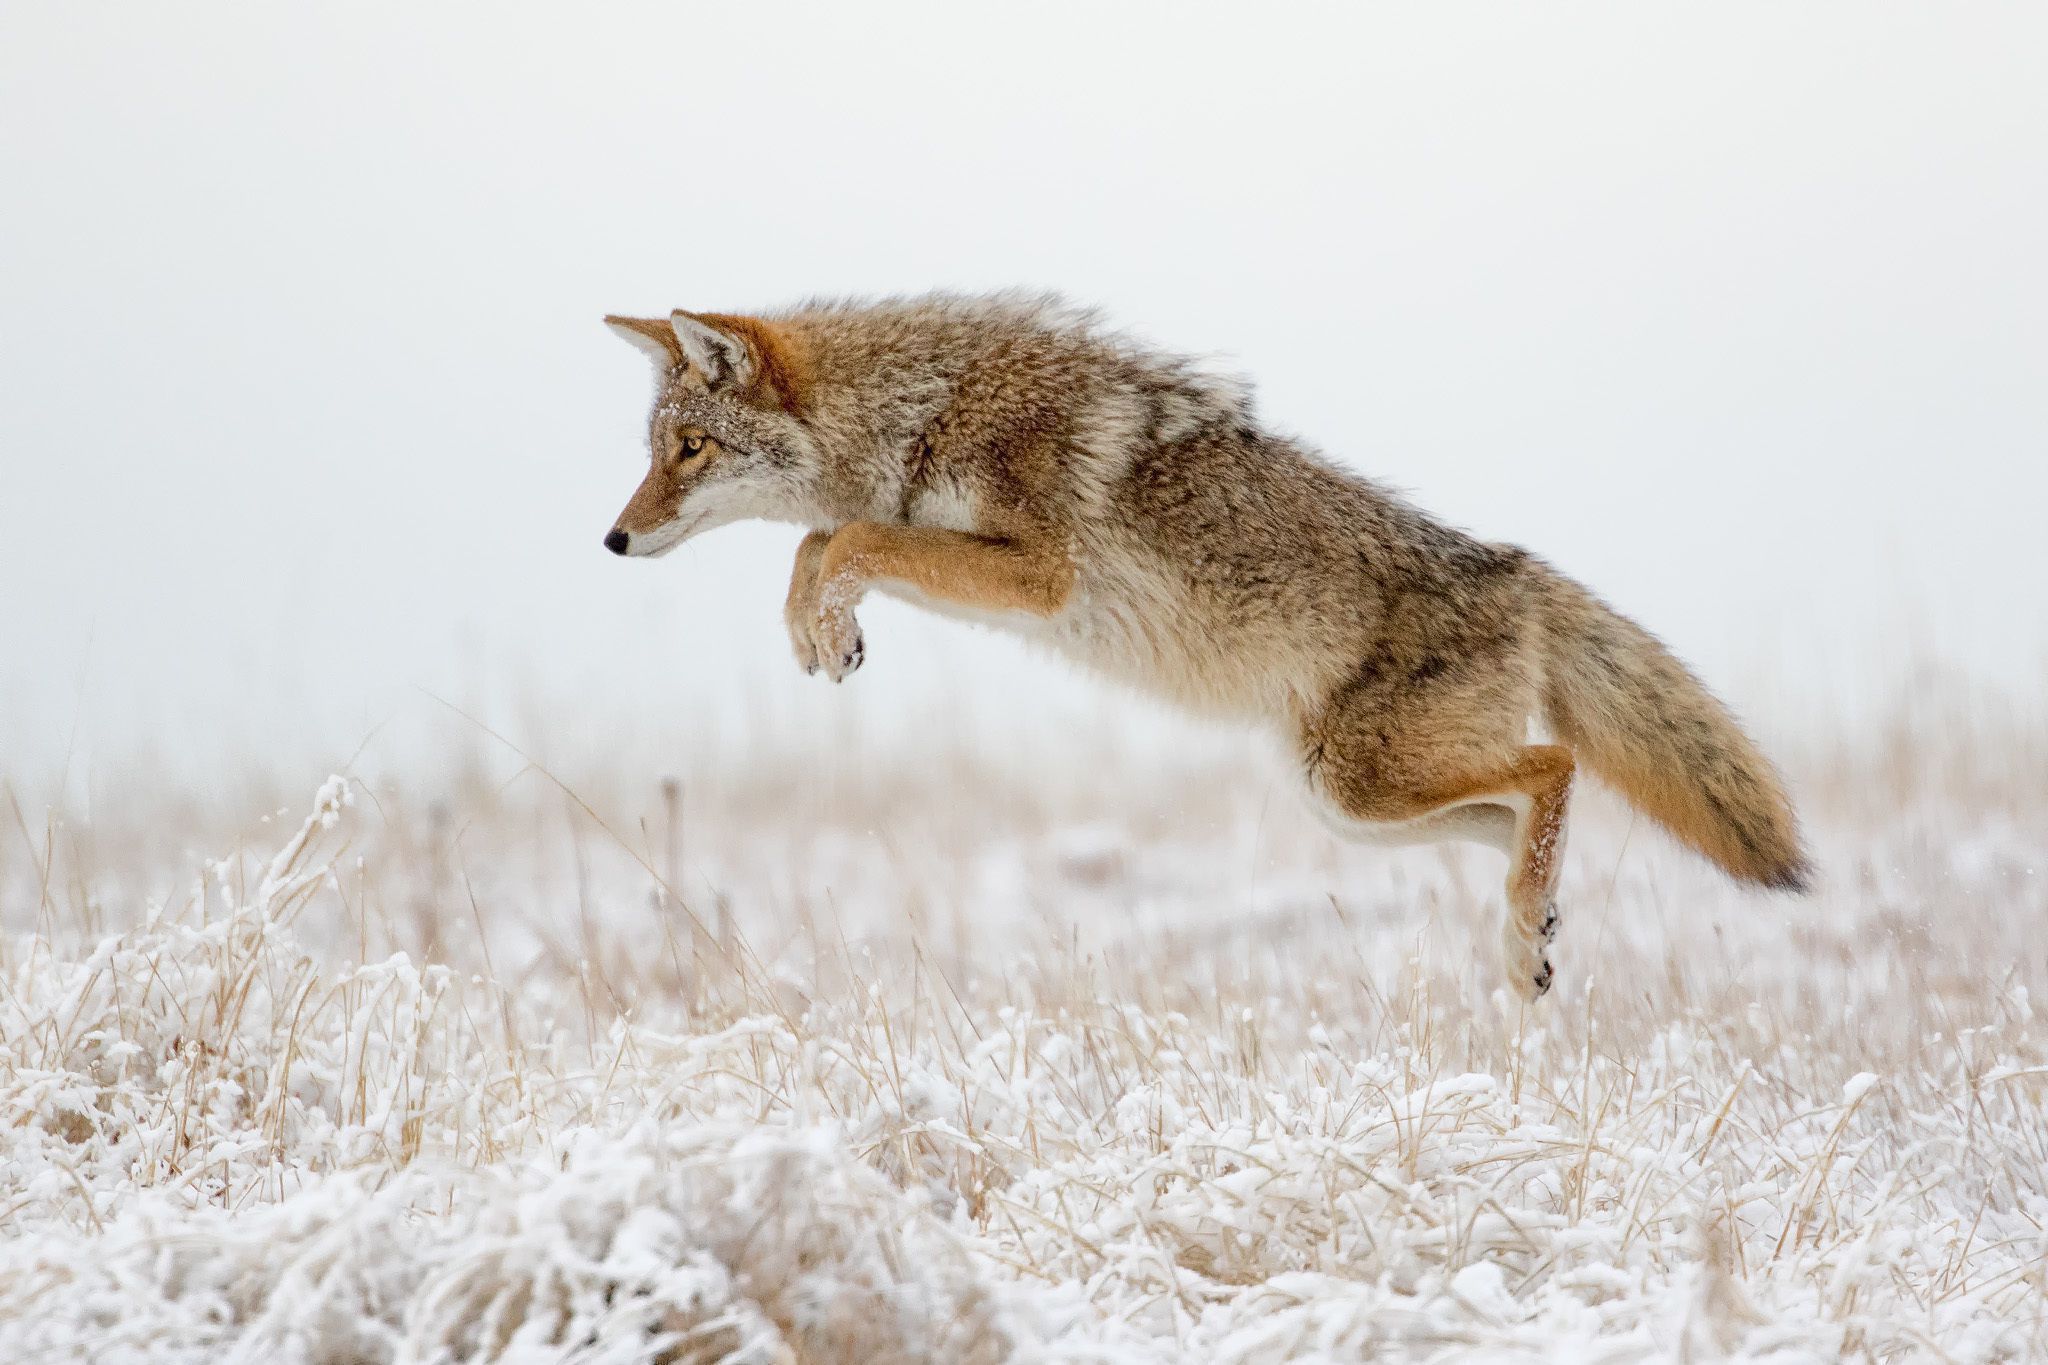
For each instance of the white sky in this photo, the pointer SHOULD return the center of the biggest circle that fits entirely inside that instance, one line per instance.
(1735, 311)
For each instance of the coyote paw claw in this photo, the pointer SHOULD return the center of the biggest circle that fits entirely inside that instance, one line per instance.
(800, 642)
(840, 648)
(1527, 957)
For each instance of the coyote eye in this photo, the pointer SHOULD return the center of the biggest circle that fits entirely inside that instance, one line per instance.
(692, 444)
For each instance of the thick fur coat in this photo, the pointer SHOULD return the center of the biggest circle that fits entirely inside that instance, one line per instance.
(1009, 459)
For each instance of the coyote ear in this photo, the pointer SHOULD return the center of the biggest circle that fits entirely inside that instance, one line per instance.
(722, 357)
(651, 336)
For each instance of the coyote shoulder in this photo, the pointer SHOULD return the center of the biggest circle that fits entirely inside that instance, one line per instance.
(1008, 458)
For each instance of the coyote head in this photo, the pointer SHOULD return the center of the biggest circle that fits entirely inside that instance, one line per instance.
(726, 438)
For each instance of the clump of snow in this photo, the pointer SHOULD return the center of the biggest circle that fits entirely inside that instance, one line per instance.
(695, 1243)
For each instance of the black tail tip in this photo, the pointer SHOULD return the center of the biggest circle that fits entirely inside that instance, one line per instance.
(1794, 878)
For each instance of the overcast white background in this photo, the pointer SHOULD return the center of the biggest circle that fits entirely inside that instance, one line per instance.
(1734, 311)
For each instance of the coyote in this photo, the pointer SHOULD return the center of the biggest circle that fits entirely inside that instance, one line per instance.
(1008, 459)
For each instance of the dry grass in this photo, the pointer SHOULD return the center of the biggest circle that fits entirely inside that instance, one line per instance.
(903, 1056)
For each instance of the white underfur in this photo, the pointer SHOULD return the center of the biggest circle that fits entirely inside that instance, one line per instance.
(949, 506)
(706, 508)
(648, 346)
(710, 350)
(658, 542)
(1494, 821)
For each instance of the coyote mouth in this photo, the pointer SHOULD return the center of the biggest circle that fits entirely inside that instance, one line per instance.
(665, 538)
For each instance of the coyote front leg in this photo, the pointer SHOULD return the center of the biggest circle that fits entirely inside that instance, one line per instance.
(801, 607)
(1020, 573)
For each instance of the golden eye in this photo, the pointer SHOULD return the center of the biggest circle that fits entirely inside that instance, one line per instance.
(692, 444)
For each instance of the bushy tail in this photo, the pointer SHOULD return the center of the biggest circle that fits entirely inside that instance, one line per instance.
(1635, 716)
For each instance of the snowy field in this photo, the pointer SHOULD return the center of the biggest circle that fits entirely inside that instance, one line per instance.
(1014, 1045)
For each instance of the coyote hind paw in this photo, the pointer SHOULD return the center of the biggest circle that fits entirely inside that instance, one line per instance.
(1532, 982)
(1527, 957)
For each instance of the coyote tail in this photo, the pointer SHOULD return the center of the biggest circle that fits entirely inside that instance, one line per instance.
(1635, 716)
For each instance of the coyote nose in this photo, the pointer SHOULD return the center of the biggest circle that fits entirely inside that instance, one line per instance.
(615, 541)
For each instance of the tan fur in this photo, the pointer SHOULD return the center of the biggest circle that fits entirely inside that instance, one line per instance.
(995, 574)
(782, 366)
(1647, 725)
(653, 504)
(1009, 459)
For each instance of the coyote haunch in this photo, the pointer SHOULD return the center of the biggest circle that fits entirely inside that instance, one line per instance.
(1007, 459)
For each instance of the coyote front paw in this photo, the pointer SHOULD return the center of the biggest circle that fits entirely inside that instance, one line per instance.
(800, 607)
(836, 641)
(798, 616)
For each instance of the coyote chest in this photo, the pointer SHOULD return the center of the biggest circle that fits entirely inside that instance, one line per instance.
(1125, 617)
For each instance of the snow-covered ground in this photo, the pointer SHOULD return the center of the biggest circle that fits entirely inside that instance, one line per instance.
(1105, 1053)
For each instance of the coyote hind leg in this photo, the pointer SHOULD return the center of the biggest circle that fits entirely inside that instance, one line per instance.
(1517, 804)
(1542, 776)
